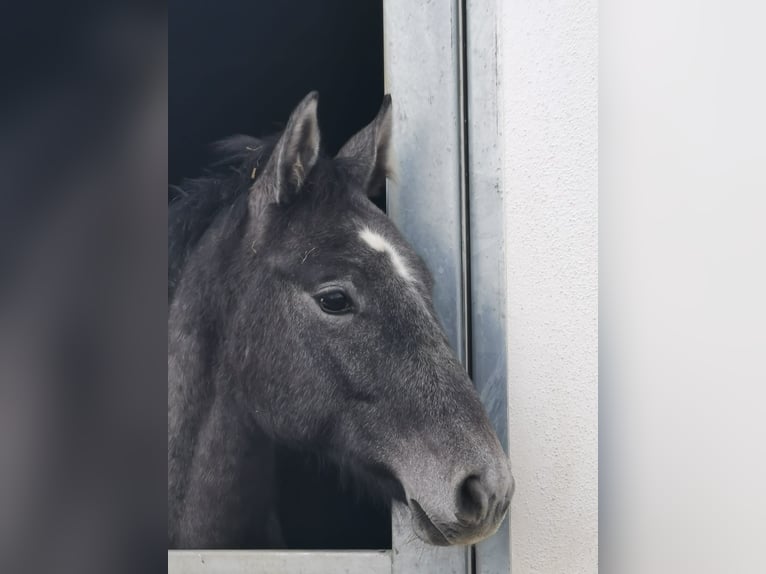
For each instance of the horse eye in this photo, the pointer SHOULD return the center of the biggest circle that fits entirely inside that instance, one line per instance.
(334, 302)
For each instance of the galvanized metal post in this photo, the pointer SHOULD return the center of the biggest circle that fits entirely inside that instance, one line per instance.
(441, 68)
(487, 242)
(422, 61)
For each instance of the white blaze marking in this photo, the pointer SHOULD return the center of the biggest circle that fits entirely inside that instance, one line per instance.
(381, 244)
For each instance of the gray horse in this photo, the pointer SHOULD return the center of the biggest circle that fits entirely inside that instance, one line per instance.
(299, 316)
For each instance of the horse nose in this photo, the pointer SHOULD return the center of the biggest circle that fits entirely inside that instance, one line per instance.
(483, 496)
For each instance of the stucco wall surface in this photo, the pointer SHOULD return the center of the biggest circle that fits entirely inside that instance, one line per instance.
(549, 102)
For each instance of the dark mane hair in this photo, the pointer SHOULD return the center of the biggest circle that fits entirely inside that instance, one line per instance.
(200, 200)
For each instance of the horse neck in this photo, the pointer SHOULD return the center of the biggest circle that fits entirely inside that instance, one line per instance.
(224, 487)
(195, 335)
(214, 446)
(220, 464)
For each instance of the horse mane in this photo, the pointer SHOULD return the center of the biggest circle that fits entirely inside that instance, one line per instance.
(239, 160)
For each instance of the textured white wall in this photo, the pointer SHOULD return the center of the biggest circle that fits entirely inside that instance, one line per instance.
(549, 68)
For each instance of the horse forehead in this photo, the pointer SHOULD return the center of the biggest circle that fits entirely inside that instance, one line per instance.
(379, 243)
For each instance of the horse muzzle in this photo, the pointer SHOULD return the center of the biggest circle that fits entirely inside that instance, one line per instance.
(471, 510)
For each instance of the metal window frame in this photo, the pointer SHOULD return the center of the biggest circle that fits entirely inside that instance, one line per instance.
(441, 69)
(278, 561)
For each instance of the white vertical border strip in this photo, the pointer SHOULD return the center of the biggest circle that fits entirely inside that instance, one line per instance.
(487, 242)
(549, 76)
(421, 52)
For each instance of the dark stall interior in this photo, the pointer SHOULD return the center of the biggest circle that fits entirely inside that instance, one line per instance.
(240, 67)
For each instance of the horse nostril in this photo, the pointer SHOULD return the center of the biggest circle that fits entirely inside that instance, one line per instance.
(472, 499)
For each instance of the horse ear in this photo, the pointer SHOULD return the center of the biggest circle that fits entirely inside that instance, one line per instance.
(369, 151)
(296, 152)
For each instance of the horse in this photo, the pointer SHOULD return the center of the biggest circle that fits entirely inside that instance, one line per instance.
(299, 316)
